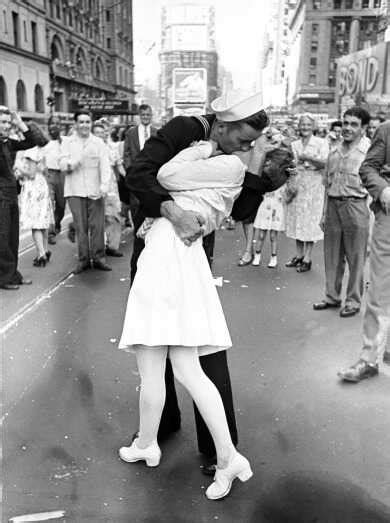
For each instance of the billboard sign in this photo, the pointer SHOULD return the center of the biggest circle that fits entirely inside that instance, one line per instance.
(365, 75)
(190, 85)
(101, 106)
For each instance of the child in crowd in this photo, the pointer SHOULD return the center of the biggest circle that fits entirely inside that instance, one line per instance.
(36, 207)
(270, 217)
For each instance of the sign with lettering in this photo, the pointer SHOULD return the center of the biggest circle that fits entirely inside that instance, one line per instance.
(101, 106)
(364, 75)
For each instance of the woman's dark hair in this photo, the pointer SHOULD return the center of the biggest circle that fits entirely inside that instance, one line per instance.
(258, 121)
(359, 112)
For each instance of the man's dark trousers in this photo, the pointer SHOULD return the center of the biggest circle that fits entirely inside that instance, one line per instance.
(9, 240)
(88, 219)
(55, 181)
(214, 366)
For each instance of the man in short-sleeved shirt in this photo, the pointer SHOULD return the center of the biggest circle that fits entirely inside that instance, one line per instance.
(346, 216)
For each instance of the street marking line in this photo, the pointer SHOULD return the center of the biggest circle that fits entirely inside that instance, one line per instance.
(35, 302)
(39, 516)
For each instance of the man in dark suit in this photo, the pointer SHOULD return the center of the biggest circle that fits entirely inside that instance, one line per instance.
(237, 122)
(135, 139)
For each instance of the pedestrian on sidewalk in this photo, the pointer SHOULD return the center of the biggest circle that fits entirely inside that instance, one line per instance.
(54, 176)
(35, 203)
(174, 309)
(346, 217)
(303, 213)
(375, 175)
(10, 277)
(112, 203)
(238, 120)
(85, 160)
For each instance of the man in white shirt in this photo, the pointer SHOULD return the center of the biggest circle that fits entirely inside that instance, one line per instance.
(54, 176)
(84, 158)
(135, 139)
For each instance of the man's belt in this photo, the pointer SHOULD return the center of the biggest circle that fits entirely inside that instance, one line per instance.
(346, 198)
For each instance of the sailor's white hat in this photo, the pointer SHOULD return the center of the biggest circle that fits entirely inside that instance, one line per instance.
(235, 105)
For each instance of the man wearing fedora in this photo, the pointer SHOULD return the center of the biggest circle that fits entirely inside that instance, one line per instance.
(237, 121)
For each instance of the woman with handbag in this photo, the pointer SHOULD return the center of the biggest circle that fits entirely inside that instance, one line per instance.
(305, 200)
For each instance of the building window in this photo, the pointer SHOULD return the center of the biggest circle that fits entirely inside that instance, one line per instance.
(312, 79)
(3, 92)
(34, 37)
(314, 29)
(377, 3)
(337, 4)
(38, 99)
(51, 8)
(58, 9)
(70, 20)
(15, 28)
(316, 4)
(56, 51)
(108, 16)
(348, 4)
(313, 61)
(108, 43)
(314, 47)
(5, 25)
(21, 96)
(365, 4)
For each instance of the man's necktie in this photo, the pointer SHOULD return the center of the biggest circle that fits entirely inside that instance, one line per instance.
(146, 134)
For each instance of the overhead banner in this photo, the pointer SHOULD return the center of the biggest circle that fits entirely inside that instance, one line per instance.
(190, 85)
(101, 106)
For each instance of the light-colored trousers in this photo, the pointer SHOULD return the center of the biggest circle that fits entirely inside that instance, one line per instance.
(113, 230)
(345, 239)
(376, 321)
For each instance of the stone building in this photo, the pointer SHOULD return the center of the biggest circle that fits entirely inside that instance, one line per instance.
(24, 59)
(321, 32)
(69, 49)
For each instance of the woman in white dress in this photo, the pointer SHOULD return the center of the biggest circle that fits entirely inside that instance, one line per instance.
(174, 309)
(303, 213)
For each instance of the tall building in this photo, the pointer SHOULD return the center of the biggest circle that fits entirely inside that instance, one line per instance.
(275, 51)
(24, 60)
(188, 58)
(321, 32)
(70, 49)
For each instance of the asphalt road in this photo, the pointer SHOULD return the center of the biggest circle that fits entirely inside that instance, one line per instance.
(319, 449)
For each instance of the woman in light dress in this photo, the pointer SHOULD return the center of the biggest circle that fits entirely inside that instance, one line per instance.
(174, 309)
(36, 211)
(303, 213)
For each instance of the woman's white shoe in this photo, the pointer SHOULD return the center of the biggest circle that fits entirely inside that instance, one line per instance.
(256, 259)
(151, 454)
(238, 467)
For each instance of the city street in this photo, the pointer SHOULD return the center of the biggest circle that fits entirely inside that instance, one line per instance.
(319, 449)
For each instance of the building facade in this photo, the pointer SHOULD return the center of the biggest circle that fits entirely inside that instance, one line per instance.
(321, 32)
(72, 49)
(275, 51)
(24, 59)
(188, 59)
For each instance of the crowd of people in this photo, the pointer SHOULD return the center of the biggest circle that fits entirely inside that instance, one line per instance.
(175, 187)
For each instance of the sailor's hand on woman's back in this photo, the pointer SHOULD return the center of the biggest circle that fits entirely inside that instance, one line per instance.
(187, 224)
